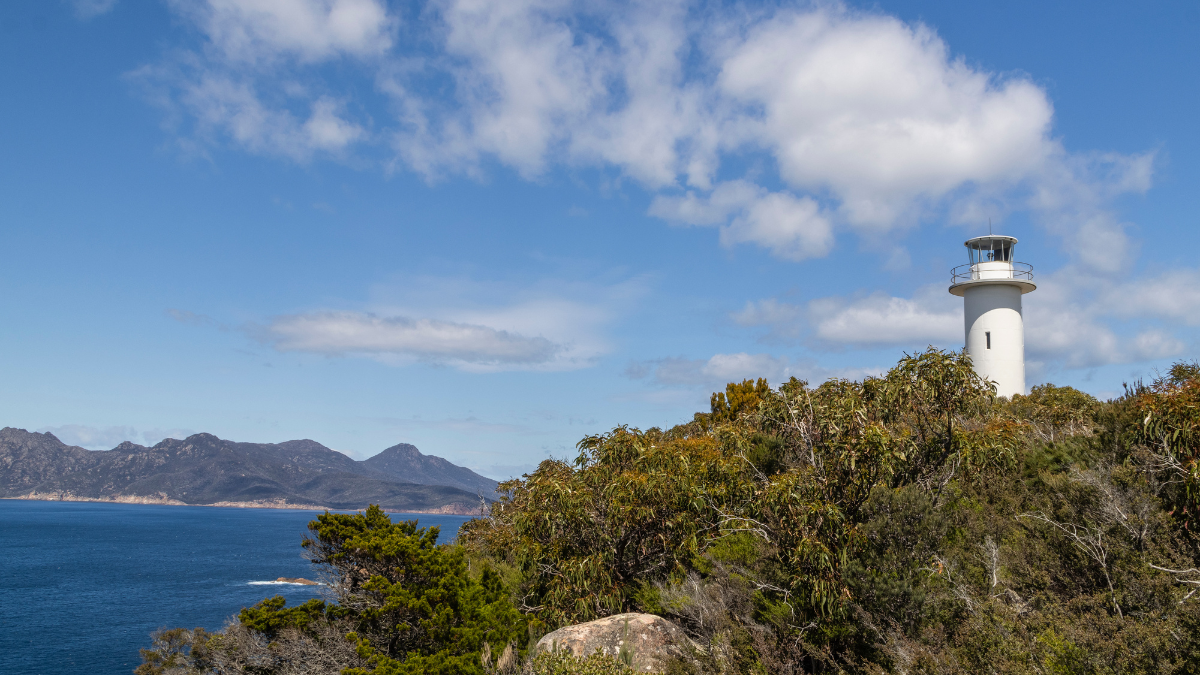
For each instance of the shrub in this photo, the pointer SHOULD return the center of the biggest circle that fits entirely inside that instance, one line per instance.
(564, 663)
(403, 604)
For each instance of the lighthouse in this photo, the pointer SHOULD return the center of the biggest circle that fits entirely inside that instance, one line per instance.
(991, 286)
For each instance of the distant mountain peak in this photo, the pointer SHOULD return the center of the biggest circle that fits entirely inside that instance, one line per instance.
(402, 450)
(202, 436)
(205, 469)
(404, 461)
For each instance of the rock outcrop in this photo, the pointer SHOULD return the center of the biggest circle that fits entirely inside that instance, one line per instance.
(297, 580)
(644, 641)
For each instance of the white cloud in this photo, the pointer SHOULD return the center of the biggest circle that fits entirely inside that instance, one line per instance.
(92, 438)
(574, 315)
(785, 321)
(222, 106)
(880, 319)
(326, 130)
(89, 9)
(249, 82)
(870, 122)
(877, 111)
(151, 437)
(1072, 199)
(539, 82)
(931, 316)
(793, 228)
(107, 438)
(552, 325)
(309, 30)
(1067, 320)
(524, 78)
(360, 333)
(1173, 295)
(720, 369)
(781, 128)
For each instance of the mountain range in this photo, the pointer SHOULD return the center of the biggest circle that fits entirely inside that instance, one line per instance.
(205, 470)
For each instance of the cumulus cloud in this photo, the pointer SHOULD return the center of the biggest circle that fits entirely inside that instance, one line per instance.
(221, 105)
(785, 321)
(793, 228)
(719, 369)
(1173, 295)
(309, 30)
(341, 333)
(1066, 319)
(880, 319)
(1068, 322)
(248, 81)
(870, 122)
(878, 112)
(107, 438)
(931, 316)
(784, 128)
(155, 436)
(90, 437)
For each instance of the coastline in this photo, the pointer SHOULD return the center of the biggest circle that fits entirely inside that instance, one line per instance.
(161, 499)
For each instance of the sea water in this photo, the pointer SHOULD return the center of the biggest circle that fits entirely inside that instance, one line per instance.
(82, 585)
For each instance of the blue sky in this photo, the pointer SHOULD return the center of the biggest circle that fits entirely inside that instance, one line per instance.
(490, 229)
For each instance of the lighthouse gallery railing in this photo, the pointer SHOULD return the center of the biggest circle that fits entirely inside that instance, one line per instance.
(986, 271)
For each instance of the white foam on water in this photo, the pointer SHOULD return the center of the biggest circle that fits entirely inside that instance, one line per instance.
(277, 583)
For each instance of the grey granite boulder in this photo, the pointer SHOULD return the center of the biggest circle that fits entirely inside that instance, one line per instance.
(644, 641)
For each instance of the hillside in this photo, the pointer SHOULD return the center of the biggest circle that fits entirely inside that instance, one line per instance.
(404, 462)
(204, 469)
(909, 523)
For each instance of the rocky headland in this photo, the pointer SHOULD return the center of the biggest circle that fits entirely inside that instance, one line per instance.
(203, 470)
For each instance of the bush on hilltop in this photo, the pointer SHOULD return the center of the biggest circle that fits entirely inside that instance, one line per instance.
(908, 523)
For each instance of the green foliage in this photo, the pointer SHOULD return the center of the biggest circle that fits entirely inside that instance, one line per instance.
(1169, 411)
(1056, 456)
(1052, 413)
(562, 662)
(270, 616)
(766, 454)
(911, 522)
(418, 610)
(922, 424)
(1183, 372)
(737, 400)
(1061, 656)
(634, 507)
(404, 605)
(903, 532)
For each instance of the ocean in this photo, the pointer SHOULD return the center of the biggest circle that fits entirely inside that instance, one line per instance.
(82, 585)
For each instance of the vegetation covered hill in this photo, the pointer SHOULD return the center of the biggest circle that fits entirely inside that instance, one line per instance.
(911, 523)
(204, 469)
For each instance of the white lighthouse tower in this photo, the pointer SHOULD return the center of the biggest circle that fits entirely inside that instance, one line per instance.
(991, 286)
